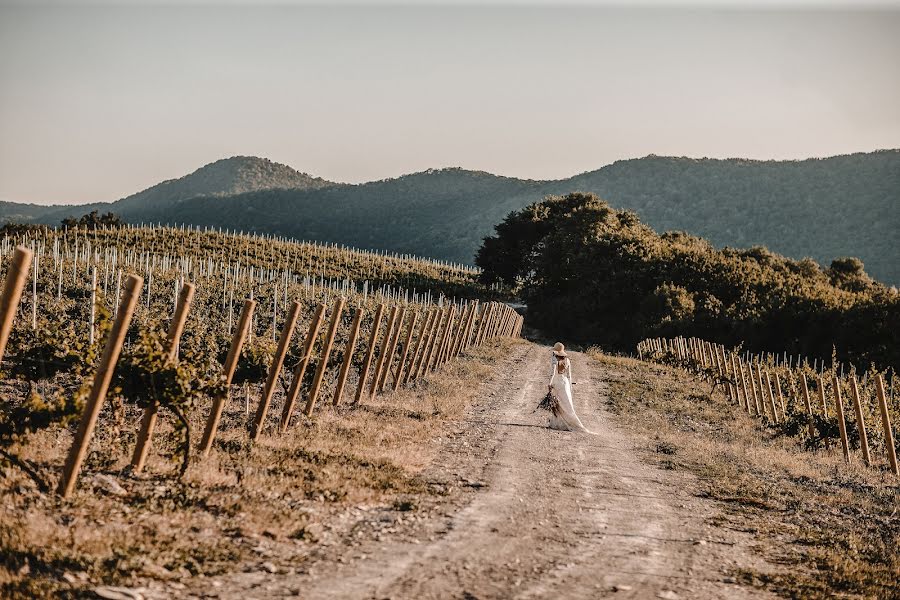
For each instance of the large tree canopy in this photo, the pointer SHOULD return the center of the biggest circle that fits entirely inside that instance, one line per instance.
(593, 274)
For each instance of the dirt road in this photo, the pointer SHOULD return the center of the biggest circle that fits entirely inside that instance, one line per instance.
(543, 514)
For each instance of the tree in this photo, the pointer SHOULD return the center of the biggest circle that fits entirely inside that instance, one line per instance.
(93, 220)
(592, 274)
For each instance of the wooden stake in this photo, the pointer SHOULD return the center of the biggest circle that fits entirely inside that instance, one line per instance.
(12, 292)
(737, 379)
(466, 329)
(860, 422)
(444, 337)
(780, 397)
(482, 324)
(433, 342)
(348, 356)
(886, 424)
(420, 346)
(446, 340)
(468, 318)
(326, 353)
(456, 346)
(768, 387)
(148, 421)
(370, 351)
(284, 341)
(391, 351)
(410, 330)
(470, 331)
(456, 337)
(300, 370)
(231, 361)
(100, 386)
(809, 409)
(747, 398)
(757, 405)
(384, 350)
(839, 404)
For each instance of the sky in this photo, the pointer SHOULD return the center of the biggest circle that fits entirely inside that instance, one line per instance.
(100, 101)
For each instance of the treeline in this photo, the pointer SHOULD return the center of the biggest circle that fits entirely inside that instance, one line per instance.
(593, 274)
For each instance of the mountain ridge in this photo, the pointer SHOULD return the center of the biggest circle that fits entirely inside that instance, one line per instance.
(823, 208)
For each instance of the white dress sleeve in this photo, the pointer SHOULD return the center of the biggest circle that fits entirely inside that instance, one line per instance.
(552, 368)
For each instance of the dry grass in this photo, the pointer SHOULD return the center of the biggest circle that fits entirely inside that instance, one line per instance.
(831, 528)
(242, 505)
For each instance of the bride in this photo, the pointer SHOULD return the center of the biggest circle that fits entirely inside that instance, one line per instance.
(561, 387)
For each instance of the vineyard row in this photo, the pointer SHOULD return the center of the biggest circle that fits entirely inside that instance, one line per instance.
(792, 399)
(415, 341)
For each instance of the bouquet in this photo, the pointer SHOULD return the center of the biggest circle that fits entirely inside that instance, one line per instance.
(551, 403)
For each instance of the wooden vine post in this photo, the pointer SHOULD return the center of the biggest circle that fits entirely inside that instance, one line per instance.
(464, 334)
(398, 374)
(148, 421)
(102, 379)
(758, 397)
(385, 348)
(470, 333)
(762, 393)
(489, 324)
(391, 351)
(455, 330)
(772, 406)
(348, 356)
(737, 382)
(842, 425)
(482, 322)
(326, 353)
(284, 341)
(458, 333)
(367, 361)
(806, 401)
(821, 385)
(231, 361)
(725, 371)
(300, 370)
(416, 360)
(860, 421)
(12, 292)
(742, 379)
(889, 449)
(780, 397)
(443, 342)
(432, 342)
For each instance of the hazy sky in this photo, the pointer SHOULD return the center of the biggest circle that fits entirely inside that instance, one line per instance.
(98, 102)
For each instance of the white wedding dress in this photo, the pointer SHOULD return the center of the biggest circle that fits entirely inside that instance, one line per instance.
(562, 389)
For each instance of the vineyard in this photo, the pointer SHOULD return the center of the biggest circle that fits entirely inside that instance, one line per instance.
(823, 408)
(155, 340)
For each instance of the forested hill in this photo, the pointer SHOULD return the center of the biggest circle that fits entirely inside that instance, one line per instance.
(821, 208)
(226, 177)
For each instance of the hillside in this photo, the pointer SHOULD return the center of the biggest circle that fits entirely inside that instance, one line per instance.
(226, 177)
(821, 208)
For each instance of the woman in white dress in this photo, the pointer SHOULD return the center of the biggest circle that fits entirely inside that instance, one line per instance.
(561, 387)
